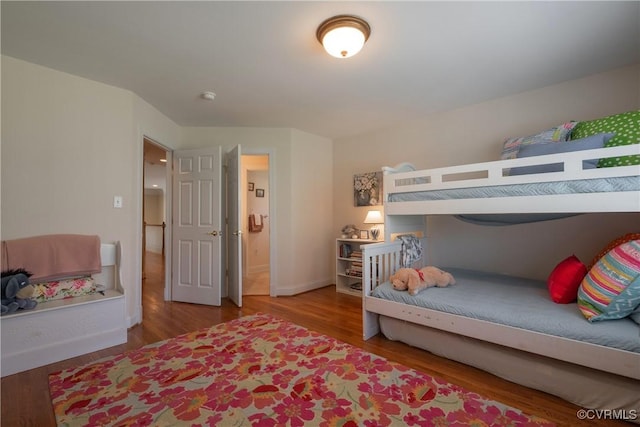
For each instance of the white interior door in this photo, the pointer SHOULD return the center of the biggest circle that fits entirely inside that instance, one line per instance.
(234, 236)
(197, 226)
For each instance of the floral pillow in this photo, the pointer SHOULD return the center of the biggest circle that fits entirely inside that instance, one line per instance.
(59, 289)
(559, 133)
(611, 289)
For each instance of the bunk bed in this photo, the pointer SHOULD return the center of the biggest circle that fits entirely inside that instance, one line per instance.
(577, 368)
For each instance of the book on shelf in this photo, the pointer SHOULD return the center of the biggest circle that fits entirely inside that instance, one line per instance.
(353, 273)
(345, 250)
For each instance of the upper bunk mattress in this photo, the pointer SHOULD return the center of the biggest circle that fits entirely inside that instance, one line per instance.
(598, 185)
(518, 302)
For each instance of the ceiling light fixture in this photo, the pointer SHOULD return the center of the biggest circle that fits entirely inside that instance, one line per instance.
(344, 35)
(209, 96)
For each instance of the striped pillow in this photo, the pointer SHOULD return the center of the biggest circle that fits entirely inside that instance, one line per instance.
(561, 132)
(611, 289)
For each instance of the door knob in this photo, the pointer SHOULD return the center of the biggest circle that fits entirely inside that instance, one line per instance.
(214, 233)
(237, 233)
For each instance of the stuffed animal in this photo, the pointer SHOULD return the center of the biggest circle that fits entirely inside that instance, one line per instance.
(405, 278)
(16, 291)
(416, 280)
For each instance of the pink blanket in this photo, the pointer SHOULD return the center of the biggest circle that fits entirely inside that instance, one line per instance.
(53, 256)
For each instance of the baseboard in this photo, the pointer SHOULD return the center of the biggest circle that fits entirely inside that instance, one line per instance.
(135, 319)
(54, 352)
(306, 287)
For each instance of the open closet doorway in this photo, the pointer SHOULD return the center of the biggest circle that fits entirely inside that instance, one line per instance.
(154, 219)
(256, 229)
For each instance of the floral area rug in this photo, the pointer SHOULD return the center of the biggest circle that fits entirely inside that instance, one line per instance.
(263, 371)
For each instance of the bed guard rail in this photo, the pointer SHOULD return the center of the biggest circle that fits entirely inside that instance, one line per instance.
(496, 172)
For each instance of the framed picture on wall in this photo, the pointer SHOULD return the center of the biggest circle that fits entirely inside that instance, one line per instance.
(250, 186)
(367, 189)
(259, 192)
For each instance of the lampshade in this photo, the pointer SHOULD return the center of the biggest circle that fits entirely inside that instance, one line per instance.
(374, 217)
(343, 36)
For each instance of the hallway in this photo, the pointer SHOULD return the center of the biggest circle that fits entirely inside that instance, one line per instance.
(256, 283)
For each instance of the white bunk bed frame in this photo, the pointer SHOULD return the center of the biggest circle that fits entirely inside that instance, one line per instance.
(60, 329)
(402, 217)
(387, 257)
(491, 173)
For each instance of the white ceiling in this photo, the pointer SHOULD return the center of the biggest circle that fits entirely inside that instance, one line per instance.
(268, 70)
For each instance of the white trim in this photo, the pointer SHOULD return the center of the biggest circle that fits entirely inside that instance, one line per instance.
(136, 286)
(305, 287)
(168, 214)
(138, 315)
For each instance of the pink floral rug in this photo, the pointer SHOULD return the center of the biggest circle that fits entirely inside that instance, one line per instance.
(263, 371)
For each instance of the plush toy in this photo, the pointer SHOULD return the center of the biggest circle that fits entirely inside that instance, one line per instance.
(405, 278)
(16, 291)
(416, 280)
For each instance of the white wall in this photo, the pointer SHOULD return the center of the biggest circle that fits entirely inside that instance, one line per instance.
(69, 146)
(312, 231)
(474, 134)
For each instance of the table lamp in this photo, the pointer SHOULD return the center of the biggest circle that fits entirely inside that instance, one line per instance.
(375, 218)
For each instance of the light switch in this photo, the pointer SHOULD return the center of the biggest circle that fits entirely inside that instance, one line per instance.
(117, 201)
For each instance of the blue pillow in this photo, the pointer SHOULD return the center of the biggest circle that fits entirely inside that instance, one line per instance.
(588, 143)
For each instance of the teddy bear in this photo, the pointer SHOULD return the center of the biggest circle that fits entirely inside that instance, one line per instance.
(16, 291)
(415, 280)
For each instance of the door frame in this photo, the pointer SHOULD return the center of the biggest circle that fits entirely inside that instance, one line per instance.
(137, 297)
(273, 223)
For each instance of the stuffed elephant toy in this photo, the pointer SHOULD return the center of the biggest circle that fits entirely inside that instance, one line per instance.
(15, 283)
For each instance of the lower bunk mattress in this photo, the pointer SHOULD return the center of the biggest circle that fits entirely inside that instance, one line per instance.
(517, 302)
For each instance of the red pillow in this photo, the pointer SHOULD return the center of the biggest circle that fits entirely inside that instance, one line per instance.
(565, 279)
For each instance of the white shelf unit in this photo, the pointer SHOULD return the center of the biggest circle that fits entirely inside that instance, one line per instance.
(349, 265)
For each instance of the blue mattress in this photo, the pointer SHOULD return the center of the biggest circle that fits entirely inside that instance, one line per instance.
(518, 302)
(599, 185)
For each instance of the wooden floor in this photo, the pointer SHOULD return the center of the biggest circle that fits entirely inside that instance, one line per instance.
(25, 396)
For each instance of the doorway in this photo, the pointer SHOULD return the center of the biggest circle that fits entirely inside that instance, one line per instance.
(256, 229)
(154, 221)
